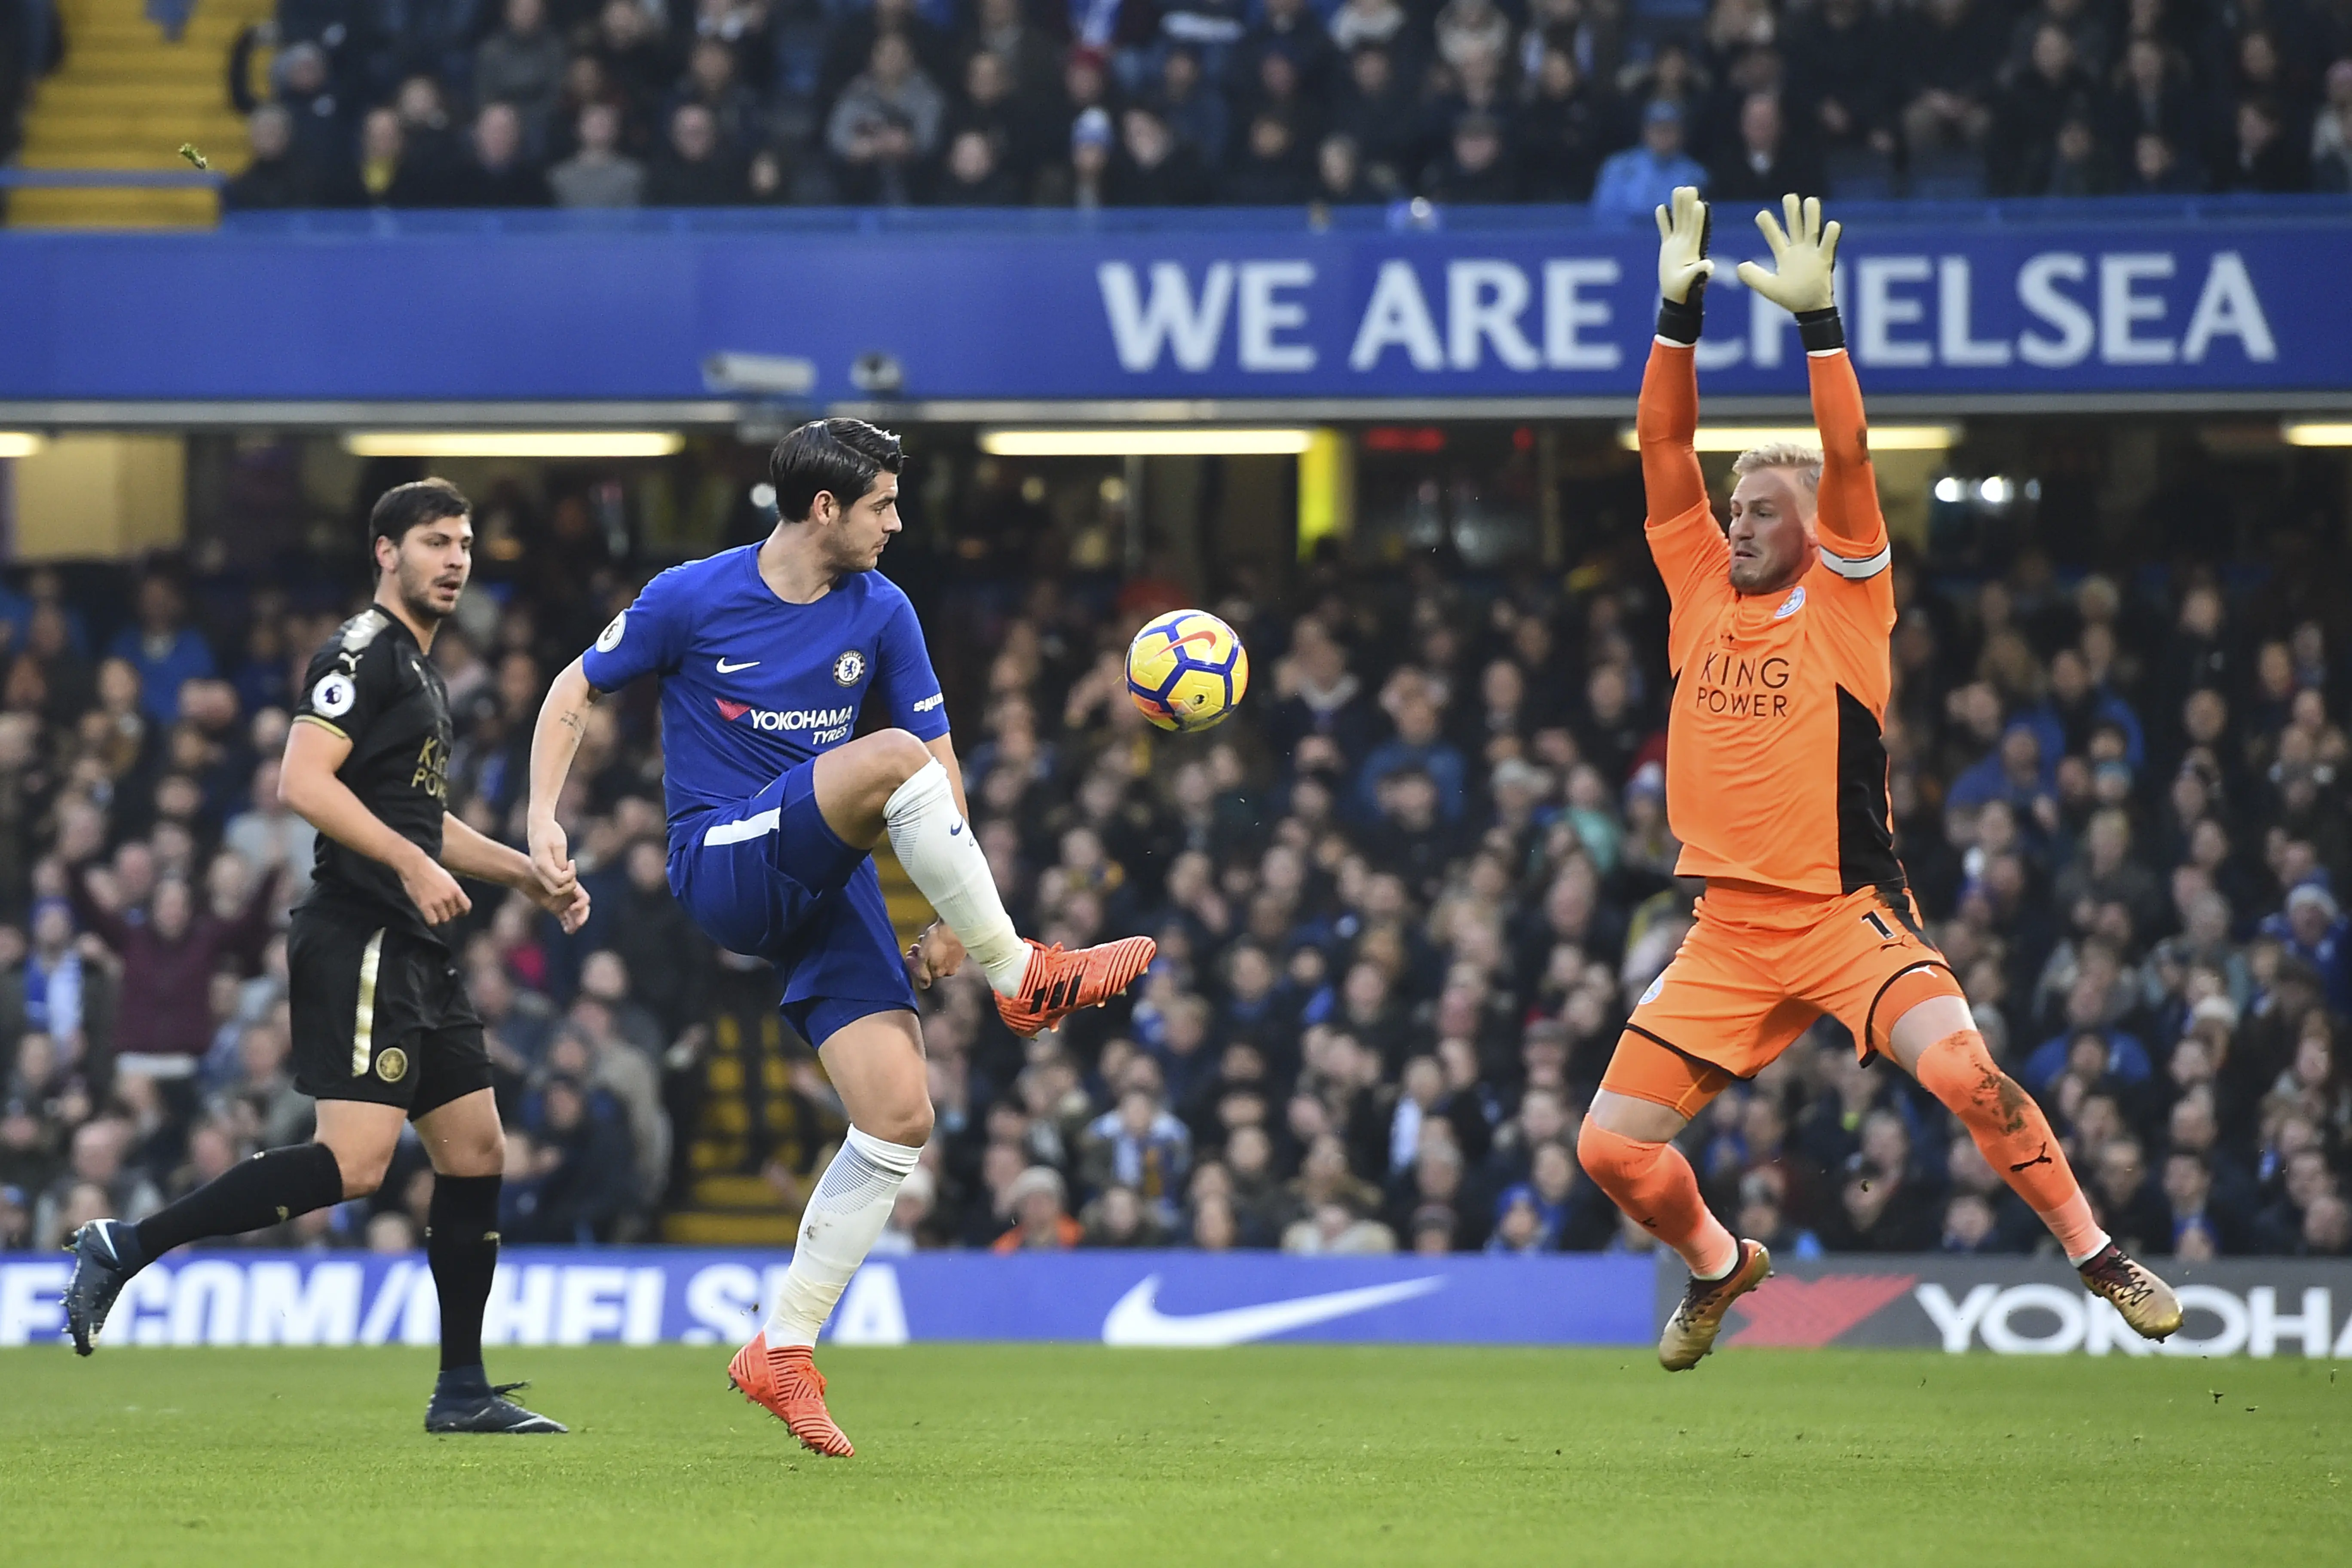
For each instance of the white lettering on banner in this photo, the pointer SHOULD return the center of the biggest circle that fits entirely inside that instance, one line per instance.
(208, 1302)
(2228, 304)
(2002, 1337)
(1953, 311)
(2265, 1328)
(872, 1311)
(2121, 305)
(1262, 315)
(1172, 318)
(1396, 317)
(723, 1301)
(1567, 314)
(143, 1313)
(2104, 1330)
(1485, 299)
(282, 1308)
(1882, 310)
(2037, 290)
(1955, 1322)
(420, 1315)
(383, 1312)
(522, 1305)
(641, 1322)
(30, 1312)
(2219, 1303)
(588, 1304)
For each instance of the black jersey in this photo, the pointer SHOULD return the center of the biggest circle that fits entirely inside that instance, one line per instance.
(374, 686)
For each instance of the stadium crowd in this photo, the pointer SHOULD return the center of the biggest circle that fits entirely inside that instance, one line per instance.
(1175, 102)
(1404, 900)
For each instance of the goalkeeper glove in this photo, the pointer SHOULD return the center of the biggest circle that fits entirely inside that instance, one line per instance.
(1683, 265)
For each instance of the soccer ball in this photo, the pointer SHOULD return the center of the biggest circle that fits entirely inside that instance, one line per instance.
(1186, 669)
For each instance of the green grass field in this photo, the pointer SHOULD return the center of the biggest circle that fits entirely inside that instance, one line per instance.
(1043, 1456)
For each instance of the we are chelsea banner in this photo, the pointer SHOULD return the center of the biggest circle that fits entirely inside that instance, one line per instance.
(2070, 303)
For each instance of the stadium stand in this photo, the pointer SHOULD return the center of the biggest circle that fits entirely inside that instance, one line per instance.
(1144, 103)
(1405, 899)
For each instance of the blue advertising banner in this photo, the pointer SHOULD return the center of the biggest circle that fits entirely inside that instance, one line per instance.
(655, 1295)
(2019, 301)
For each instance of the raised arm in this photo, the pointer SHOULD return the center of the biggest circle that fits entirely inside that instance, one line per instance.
(307, 784)
(554, 742)
(1803, 282)
(1852, 527)
(1666, 418)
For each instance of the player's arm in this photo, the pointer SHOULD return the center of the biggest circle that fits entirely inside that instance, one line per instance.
(1803, 282)
(472, 854)
(555, 742)
(1683, 536)
(308, 785)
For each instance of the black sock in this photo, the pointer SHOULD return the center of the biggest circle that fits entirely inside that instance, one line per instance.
(461, 1242)
(268, 1189)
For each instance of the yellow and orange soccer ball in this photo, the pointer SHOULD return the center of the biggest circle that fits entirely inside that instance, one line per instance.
(1186, 670)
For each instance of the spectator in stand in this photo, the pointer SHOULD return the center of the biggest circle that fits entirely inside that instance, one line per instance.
(1950, 54)
(1268, 172)
(884, 125)
(636, 57)
(599, 175)
(500, 174)
(1156, 170)
(2312, 927)
(272, 179)
(1376, 110)
(1841, 69)
(970, 177)
(522, 64)
(1340, 173)
(2050, 91)
(1038, 1200)
(712, 80)
(1765, 165)
(1475, 168)
(2262, 156)
(1639, 179)
(696, 169)
(1561, 132)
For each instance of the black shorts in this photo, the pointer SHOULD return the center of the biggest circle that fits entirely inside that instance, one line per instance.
(379, 1014)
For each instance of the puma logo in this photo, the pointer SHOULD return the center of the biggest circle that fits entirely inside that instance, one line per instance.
(2041, 1159)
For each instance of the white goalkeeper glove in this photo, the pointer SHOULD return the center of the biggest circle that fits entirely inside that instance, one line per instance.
(1683, 265)
(1804, 258)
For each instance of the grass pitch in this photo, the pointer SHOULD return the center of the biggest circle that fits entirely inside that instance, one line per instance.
(1271, 1454)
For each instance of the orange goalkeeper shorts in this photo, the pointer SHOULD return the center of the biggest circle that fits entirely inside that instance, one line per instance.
(1760, 965)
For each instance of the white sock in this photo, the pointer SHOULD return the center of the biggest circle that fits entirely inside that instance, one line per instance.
(937, 848)
(847, 1211)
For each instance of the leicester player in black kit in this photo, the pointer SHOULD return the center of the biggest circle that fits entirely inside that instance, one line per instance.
(384, 1032)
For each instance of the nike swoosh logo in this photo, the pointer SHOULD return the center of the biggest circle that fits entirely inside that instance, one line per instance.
(727, 668)
(956, 829)
(1136, 1318)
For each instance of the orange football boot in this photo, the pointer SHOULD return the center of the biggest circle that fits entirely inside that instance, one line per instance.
(1060, 982)
(784, 1380)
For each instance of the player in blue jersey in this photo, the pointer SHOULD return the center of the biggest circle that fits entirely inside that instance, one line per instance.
(766, 656)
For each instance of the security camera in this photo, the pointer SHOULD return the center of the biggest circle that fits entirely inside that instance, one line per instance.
(878, 373)
(760, 375)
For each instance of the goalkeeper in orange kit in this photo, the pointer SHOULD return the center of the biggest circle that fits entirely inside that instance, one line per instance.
(1776, 785)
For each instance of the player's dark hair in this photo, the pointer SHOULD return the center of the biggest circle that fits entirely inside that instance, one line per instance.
(412, 505)
(840, 457)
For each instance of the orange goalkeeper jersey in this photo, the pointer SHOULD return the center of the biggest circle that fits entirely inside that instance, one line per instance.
(1776, 765)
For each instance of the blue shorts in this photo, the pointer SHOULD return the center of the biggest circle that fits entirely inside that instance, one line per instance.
(768, 877)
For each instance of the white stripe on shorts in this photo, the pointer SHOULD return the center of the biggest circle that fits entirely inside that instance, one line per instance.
(721, 832)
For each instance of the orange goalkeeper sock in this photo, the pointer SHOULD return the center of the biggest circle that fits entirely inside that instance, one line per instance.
(1653, 1182)
(2014, 1137)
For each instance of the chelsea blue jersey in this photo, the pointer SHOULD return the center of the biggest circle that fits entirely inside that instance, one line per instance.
(751, 686)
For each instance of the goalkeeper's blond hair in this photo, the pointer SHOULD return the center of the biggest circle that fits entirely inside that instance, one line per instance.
(1806, 460)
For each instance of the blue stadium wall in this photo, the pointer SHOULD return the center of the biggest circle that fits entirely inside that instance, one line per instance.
(2009, 1306)
(2116, 304)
